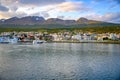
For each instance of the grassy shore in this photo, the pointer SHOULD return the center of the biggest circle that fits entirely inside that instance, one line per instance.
(106, 29)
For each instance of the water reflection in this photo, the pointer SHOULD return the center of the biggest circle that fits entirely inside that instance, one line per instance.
(60, 61)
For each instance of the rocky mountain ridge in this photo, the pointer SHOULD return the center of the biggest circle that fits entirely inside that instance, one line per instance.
(36, 20)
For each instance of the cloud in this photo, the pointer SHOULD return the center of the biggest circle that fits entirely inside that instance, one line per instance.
(57, 8)
(60, 17)
(72, 6)
(45, 14)
(12, 14)
(112, 17)
(3, 8)
(8, 2)
(68, 7)
(13, 5)
(42, 13)
(108, 17)
(33, 7)
(40, 2)
(26, 3)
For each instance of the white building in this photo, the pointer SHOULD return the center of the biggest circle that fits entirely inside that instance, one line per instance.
(78, 37)
(56, 37)
(87, 37)
(113, 36)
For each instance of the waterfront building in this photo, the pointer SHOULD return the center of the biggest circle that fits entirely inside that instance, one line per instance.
(57, 37)
(113, 36)
(77, 37)
(87, 37)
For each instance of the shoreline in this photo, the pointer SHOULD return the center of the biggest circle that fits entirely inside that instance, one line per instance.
(106, 42)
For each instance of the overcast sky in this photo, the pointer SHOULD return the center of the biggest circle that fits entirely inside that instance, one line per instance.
(103, 10)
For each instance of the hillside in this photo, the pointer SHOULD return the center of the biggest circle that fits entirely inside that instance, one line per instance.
(106, 29)
(40, 22)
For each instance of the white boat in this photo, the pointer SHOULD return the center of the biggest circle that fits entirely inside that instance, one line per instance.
(13, 40)
(4, 39)
(8, 40)
(38, 41)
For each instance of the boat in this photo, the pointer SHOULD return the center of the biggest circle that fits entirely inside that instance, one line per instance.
(38, 41)
(8, 40)
(13, 40)
(4, 40)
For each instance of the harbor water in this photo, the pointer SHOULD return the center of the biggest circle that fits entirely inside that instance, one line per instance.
(60, 61)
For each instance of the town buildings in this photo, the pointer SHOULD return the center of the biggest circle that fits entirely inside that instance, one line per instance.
(60, 36)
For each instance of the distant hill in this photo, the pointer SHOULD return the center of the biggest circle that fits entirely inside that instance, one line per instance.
(40, 22)
(29, 20)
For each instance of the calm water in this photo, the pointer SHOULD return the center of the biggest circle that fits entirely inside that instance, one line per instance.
(60, 61)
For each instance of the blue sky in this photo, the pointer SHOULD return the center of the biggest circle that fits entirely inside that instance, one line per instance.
(102, 10)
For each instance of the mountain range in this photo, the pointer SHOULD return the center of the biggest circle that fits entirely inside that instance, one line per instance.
(51, 22)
